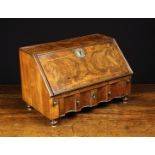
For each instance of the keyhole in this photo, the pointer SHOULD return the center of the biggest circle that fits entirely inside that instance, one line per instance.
(80, 53)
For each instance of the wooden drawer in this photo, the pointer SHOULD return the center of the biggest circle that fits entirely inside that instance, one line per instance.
(118, 88)
(88, 98)
(74, 103)
(102, 94)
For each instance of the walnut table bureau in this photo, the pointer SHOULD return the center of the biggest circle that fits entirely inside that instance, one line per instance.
(64, 76)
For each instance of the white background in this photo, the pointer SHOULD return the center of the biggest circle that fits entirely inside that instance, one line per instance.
(77, 8)
(77, 146)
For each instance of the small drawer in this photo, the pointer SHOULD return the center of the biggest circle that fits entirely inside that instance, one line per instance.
(102, 94)
(85, 98)
(118, 88)
(74, 102)
(67, 104)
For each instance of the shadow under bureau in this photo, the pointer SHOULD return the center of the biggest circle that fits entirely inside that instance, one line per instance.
(65, 76)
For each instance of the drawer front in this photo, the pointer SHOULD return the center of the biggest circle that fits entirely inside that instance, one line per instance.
(67, 104)
(102, 94)
(118, 88)
(74, 102)
(80, 100)
(85, 99)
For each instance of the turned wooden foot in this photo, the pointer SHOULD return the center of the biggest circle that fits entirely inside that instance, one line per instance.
(125, 100)
(54, 122)
(29, 108)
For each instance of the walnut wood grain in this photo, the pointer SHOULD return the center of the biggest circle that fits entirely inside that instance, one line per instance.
(56, 81)
(65, 71)
(34, 91)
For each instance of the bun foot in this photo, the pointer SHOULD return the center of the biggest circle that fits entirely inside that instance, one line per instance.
(125, 100)
(54, 123)
(29, 108)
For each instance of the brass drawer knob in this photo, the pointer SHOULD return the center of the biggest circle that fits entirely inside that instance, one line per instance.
(94, 95)
(109, 93)
(128, 80)
(77, 102)
(55, 103)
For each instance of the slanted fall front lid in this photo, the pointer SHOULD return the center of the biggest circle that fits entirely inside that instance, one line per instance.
(73, 68)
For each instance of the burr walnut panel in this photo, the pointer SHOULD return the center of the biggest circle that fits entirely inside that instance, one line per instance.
(65, 71)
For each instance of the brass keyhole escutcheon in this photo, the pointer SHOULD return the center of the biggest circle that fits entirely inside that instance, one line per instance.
(79, 52)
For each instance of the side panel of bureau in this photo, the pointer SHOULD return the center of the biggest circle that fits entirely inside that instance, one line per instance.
(34, 91)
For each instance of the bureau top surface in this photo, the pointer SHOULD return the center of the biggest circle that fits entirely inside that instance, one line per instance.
(79, 62)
